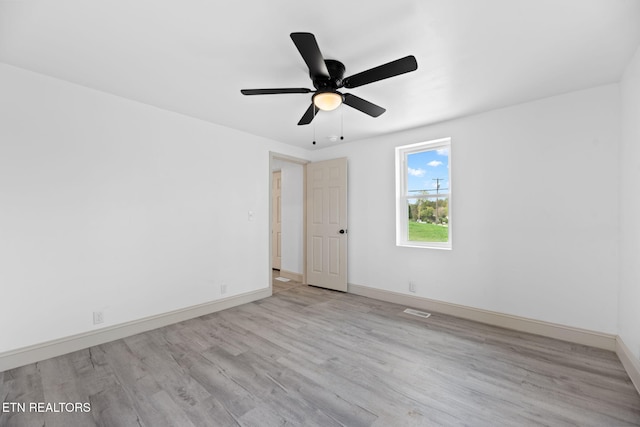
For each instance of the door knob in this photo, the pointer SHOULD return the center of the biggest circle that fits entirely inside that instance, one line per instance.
(342, 231)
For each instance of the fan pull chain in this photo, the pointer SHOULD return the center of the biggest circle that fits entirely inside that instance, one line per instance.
(314, 124)
(341, 122)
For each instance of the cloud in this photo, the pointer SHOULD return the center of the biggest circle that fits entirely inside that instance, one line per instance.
(416, 172)
(443, 151)
(434, 163)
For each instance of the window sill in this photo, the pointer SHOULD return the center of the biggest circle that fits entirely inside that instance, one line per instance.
(424, 246)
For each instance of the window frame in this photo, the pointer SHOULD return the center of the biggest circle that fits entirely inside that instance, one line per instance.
(403, 197)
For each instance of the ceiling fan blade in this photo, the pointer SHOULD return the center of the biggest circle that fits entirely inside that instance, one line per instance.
(390, 69)
(365, 106)
(308, 48)
(275, 91)
(308, 115)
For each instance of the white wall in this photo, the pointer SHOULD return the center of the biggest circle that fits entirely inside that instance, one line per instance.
(292, 217)
(108, 204)
(534, 212)
(112, 205)
(629, 317)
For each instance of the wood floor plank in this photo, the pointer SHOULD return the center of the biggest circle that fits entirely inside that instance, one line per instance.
(23, 387)
(285, 396)
(112, 407)
(60, 385)
(314, 357)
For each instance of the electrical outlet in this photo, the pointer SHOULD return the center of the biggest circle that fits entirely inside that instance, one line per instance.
(223, 289)
(412, 287)
(98, 317)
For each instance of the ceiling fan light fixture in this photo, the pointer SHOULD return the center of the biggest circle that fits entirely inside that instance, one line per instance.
(327, 101)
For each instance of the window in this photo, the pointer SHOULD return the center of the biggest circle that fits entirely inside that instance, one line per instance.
(423, 194)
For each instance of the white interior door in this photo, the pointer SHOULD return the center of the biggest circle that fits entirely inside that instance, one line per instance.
(327, 224)
(276, 228)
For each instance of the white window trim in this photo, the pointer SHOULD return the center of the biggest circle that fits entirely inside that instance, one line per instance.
(402, 214)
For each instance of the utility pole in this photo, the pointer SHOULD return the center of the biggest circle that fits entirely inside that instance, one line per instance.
(437, 180)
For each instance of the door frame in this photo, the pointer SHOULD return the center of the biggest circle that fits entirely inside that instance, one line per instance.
(273, 156)
(276, 212)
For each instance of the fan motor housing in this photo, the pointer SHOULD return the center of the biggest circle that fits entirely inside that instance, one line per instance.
(336, 73)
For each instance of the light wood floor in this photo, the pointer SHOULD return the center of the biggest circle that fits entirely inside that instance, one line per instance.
(312, 357)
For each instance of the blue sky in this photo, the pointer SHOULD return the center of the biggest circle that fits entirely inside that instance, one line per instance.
(424, 167)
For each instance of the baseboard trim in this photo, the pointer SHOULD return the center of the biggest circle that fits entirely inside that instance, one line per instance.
(629, 361)
(291, 275)
(522, 324)
(35, 353)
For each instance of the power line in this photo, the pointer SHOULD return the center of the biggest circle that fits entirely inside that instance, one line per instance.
(426, 190)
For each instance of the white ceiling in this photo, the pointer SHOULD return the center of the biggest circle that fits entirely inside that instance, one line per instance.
(194, 56)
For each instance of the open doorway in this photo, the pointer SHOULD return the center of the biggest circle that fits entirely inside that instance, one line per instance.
(287, 237)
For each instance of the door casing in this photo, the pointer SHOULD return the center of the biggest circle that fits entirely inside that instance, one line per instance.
(276, 220)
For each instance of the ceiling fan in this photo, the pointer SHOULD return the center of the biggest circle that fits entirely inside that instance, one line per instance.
(327, 77)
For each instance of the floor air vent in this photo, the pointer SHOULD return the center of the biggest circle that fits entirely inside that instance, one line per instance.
(417, 313)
